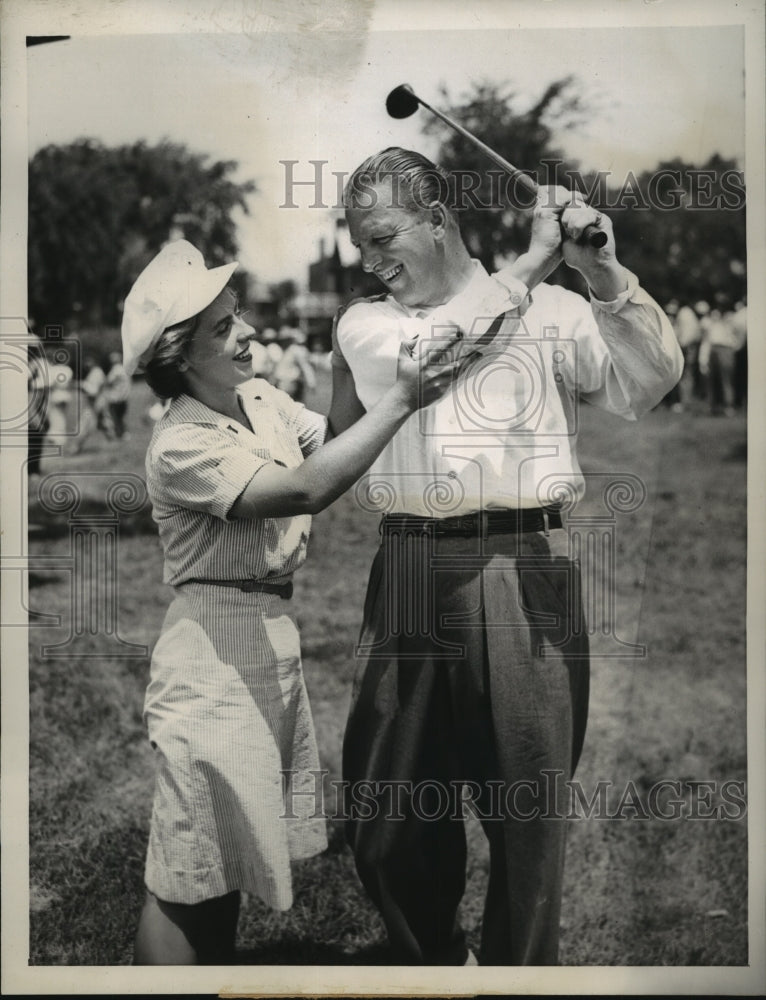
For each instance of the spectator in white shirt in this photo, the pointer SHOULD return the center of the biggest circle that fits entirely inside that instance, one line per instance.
(720, 343)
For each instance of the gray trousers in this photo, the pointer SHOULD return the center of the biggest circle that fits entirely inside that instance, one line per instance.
(471, 693)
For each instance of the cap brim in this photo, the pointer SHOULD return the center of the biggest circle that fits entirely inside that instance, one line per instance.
(147, 314)
(203, 292)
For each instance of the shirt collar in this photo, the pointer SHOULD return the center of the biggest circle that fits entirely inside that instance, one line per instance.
(479, 273)
(187, 409)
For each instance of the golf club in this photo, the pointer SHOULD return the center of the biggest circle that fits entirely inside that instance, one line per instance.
(403, 102)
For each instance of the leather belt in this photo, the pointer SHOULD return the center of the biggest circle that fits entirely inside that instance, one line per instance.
(283, 590)
(481, 522)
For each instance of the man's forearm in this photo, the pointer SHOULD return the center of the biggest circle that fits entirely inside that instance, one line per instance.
(528, 268)
(607, 281)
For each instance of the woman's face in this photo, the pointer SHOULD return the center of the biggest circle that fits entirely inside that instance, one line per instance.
(219, 354)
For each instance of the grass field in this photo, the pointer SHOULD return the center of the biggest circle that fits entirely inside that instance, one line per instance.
(638, 891)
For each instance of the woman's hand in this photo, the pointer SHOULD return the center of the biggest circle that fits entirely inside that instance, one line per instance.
(426, 369)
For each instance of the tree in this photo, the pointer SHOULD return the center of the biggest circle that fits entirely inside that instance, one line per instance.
(680, 226)
(97, 215)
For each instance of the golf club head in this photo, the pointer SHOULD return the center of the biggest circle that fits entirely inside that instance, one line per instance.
(402, 102)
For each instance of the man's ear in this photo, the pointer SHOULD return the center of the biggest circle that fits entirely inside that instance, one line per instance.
(438, 220)
(183, 365)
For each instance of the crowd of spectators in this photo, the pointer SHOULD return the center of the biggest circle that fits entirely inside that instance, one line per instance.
(69, 409)
(283, 359)
(714, 344)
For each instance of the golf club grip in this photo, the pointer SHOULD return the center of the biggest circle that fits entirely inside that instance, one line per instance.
(596, 237)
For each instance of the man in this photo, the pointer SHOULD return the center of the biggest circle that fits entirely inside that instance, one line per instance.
(739, 323)
(60, 377)
(701, 381)
(689, 333)
(116, 395)
(473, 673)
(673, 399)
(261, 363)
(717, 361)
(274, 351)
(94, 414)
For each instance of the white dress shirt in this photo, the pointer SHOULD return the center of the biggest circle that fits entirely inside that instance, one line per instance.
(505, 435)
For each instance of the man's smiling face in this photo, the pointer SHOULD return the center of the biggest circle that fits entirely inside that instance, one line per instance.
(403, 246)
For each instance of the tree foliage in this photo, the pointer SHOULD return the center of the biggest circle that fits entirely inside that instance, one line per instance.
(679, 226)
(97, 215)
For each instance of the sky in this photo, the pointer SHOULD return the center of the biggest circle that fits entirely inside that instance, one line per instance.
(318, 93)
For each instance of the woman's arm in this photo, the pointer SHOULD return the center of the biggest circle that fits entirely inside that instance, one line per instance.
(278, 492)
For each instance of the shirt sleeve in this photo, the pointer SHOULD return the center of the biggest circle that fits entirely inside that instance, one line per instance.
(474, 309)
(202, 468)
(368, 339)
(309, 427)
(337, 357)
(626, 355)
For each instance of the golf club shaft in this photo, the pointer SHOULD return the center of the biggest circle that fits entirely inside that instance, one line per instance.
(591, 234)
(524, 179)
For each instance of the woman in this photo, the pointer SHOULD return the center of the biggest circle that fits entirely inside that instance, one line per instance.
(234, 471)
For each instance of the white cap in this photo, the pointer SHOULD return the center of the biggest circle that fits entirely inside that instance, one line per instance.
(174, 286)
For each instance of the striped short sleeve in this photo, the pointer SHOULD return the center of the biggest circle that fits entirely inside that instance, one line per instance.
(309, 427)
(201, 468)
